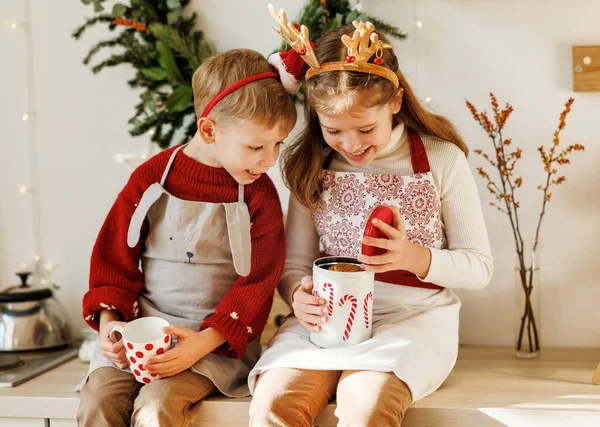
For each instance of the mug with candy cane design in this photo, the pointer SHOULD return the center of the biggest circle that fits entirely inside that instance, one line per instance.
(349, 295)
(143, 338)
(348, 290)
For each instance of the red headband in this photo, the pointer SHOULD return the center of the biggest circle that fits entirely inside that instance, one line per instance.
(236, 85)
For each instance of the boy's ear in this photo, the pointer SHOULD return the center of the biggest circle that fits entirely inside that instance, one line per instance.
(206, 128)
(397, 103)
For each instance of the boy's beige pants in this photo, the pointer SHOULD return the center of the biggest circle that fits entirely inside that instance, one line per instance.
(114, 398)
(294, 397)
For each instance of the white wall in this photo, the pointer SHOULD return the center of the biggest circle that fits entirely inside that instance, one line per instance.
(520, 50)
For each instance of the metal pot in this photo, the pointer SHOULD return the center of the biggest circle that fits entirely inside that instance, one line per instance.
(32, 319)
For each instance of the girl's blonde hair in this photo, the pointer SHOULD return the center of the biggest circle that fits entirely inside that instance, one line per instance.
(264, 101)
(333, 93)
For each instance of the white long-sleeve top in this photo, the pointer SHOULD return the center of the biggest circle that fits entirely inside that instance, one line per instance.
(467, 262)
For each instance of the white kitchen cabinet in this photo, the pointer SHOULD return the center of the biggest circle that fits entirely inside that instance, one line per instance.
(62, 422)
(23, 422)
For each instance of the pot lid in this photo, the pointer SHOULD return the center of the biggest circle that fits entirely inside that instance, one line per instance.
(384, 214)
(24, 292)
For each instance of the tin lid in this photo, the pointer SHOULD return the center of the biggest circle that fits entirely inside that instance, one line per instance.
(382, 213)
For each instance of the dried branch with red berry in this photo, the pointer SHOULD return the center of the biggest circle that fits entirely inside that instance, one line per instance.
(504, 160)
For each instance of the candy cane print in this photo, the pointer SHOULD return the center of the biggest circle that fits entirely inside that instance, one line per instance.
(315, 293)
(350, 321)
(368, 297)
(330, 305)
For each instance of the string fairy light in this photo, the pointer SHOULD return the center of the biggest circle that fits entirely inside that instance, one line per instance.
(40, 274)
(419, 25)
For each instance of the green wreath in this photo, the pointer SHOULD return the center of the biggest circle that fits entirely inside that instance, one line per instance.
(165, 49)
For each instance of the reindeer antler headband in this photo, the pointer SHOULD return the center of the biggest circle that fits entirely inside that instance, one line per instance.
(361, 47)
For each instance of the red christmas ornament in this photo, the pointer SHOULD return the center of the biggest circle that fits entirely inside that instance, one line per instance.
(378, 61)
(297, 26)
(350, 59)
(385, 215)
(302, 51)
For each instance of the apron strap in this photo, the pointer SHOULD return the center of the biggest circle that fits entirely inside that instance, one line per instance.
(168, 167)
(240, 193)
(418, 156)
(404, 278)
(238, 229)
(150, 196)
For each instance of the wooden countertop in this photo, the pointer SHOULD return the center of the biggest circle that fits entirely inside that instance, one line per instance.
(487, 385)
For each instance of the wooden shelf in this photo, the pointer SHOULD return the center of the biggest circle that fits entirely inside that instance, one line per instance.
(488, 387)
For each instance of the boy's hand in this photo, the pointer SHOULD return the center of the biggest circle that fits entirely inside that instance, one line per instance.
(191, 347)
(310, 310)
(115, 351)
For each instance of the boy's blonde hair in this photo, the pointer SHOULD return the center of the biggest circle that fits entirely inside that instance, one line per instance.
(264, 101)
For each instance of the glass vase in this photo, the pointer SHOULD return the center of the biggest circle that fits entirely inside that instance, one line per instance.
(527, 300)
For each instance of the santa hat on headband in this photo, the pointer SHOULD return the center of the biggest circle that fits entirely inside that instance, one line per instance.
(291, 68)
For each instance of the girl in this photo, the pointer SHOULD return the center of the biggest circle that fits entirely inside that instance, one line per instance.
(204, 221)
(368, 141)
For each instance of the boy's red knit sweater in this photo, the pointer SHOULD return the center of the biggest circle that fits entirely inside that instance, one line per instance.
(115, 277)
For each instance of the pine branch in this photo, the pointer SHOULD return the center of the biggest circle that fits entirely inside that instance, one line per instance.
(90, 22)
(145, 125)
(145, 22)
(104, 44)
(142, 55)
(113, 61)
(187, 24)
(165, 141)
(387, 28)
(147, 8)
(194, 49)
(321, 18)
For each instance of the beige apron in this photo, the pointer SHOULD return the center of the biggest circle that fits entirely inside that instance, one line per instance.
(415, 324)
(193, 254)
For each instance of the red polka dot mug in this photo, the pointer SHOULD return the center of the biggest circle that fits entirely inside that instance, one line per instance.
(143, 338)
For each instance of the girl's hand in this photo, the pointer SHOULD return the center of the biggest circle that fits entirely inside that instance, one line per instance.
(310, 310)
(401, 253)
(191, 347)
(115, 351)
